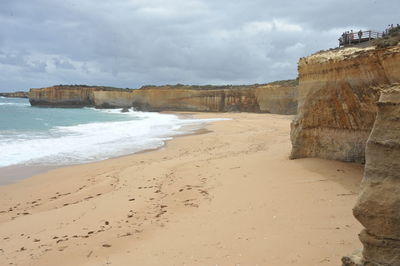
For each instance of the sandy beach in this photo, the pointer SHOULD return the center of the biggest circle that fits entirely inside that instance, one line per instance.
(226, 196)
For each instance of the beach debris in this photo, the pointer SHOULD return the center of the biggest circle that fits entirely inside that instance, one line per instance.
(106, 245)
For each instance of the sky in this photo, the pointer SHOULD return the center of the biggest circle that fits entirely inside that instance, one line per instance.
(131, 43)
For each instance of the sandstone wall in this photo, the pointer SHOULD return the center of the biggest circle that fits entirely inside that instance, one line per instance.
(112, 99)
(186, 99)
(62, 96)
(277, 98)
(338, 94)
(378, 205)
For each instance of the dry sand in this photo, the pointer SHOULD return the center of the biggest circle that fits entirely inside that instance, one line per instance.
(227, 197)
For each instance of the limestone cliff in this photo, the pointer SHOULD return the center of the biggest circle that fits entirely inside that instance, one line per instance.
(113, 98)
(65, 96)
(277, 97)
(188, 98)
(379, 202)
(62, 96)
(338, 94)
(16, 94)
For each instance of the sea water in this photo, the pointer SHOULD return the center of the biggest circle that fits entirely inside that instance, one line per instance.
(59, 136)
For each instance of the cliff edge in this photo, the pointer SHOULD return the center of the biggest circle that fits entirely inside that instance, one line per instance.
(337, 102)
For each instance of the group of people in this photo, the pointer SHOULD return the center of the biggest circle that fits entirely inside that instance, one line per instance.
(387, 30)
(348, 37)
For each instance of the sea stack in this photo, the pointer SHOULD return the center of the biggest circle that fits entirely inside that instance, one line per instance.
(378, 206)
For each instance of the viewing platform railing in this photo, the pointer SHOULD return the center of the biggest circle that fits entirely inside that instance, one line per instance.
(351, 38)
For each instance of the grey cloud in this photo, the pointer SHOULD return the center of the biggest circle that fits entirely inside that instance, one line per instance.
(128, 43)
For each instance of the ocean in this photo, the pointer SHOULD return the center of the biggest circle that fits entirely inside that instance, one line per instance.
(63, 136)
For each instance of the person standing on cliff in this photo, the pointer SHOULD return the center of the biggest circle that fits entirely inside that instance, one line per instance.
(342, 39)
(346, 37)
(360, 33)
(351, 37)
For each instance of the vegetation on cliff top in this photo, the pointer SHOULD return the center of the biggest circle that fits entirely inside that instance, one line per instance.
(290, 82)
(75, 86)
(391, 39)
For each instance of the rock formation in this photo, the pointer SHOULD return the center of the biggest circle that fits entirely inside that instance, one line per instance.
(66, 96)
(277, 97)
(378, 206)
(338, 94)
(16, 94)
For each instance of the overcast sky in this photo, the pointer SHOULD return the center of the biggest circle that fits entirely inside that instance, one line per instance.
(130, 43)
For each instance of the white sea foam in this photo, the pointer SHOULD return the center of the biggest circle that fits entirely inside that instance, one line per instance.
(18, 104)
(94, 141)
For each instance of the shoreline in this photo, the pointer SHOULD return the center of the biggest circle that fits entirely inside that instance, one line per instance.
(15, 173)
(228, 197)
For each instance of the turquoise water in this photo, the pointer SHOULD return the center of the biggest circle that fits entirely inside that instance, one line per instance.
(17, 115)
(59, 136)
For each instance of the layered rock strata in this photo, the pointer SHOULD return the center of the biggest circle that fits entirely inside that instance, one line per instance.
(62, 96)
(277, 97)
(378, 206)
(338, 94)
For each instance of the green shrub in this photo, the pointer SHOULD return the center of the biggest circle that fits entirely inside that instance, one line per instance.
(383, 43)
(394, 31)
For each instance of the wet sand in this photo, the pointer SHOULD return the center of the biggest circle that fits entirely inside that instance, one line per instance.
(227, 197)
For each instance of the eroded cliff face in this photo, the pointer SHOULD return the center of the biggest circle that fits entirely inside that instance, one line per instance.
(62, 96)
(277, 97)
(185, 98)
(112, 98)
(378, 206)
(338, 94)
